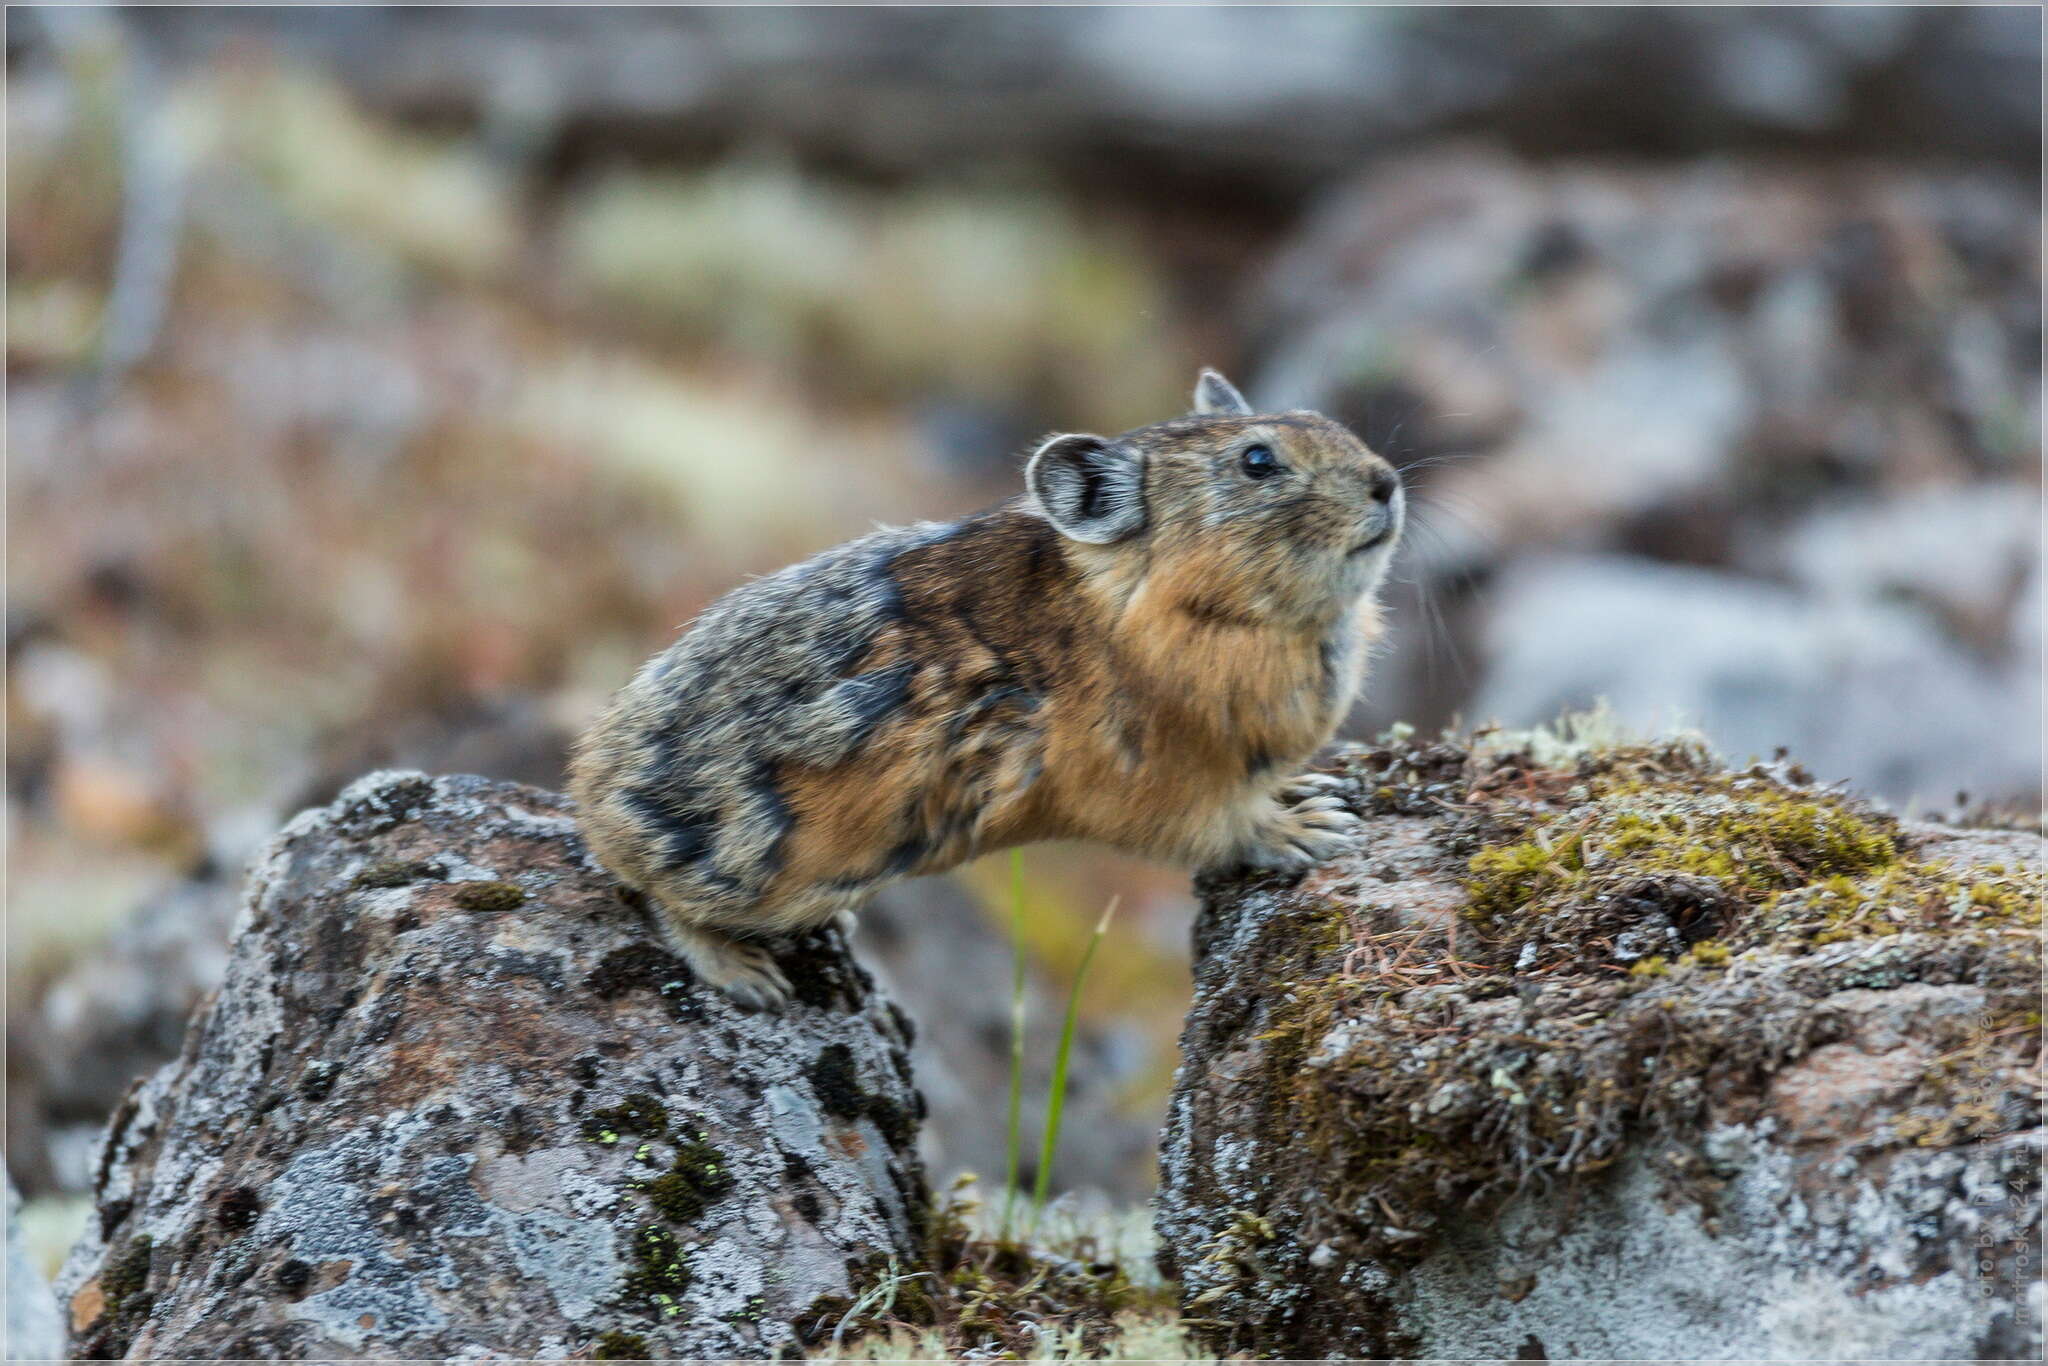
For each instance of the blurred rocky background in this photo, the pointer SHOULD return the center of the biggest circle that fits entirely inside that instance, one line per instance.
(384, 384)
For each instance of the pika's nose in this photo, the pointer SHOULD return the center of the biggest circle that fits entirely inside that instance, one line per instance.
(1385, 484)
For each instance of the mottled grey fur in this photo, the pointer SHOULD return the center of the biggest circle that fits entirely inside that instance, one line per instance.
(760, 678)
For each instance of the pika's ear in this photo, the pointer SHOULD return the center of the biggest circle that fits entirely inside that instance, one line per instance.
(1092, 488)
(1215, 394)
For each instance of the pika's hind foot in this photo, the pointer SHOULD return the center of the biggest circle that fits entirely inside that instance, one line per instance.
(746, 973)
(1313, 829)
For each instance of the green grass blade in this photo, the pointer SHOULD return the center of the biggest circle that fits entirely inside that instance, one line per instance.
(1013, 1141)
(1056, 1096)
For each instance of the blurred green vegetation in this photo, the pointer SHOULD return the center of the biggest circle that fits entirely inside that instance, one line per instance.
(998, 296)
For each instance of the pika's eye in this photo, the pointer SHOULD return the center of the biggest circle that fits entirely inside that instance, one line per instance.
(1258, 462)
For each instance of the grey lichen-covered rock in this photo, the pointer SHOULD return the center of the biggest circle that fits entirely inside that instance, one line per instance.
(1614, 1053)
(452, 1099)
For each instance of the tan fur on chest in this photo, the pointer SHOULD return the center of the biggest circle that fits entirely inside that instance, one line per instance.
(1187, 721)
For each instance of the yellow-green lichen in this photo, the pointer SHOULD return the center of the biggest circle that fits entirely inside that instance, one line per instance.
(1709, 953)
(660, 1270)
(1907, 895)
(638, 1113)
(1700, 848)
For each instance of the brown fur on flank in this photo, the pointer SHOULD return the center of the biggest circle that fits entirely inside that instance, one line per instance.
(1141, 651)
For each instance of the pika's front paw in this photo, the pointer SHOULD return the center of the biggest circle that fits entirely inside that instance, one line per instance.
(1315, 829)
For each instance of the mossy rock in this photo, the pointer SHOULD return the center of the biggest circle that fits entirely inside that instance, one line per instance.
(1551, 976)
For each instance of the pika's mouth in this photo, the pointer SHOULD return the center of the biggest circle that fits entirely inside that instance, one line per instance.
(1372, 542)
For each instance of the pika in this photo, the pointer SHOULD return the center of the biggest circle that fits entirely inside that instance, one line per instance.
(1140, 651)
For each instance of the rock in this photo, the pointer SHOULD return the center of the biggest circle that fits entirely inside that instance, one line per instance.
(1437, 1100)
(453, 1098)
(118, 1014)
(1964, 559)
(1758, 666)
(1086, 91)
(118, 1010)
(1818, 390)
(34, 1330)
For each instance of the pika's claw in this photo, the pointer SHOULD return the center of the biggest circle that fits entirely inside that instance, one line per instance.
(1306, 785)
(1324, 833)
(1316, 828)
(750, 976)
(747, 973)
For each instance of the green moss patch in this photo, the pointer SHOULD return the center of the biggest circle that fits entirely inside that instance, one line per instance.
(237, 1209)
(649, 968)
(697, 1179)
(127, 1274)
(489, 896)
(1658, 842)
(696, 1176)
(125, 1302)
(397, 873)
(614, 1345)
